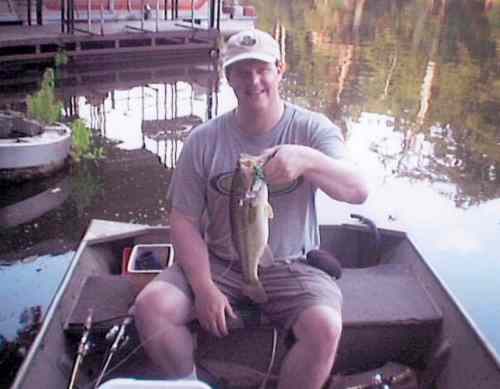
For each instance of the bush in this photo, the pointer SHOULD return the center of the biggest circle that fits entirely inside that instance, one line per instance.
(44, 106)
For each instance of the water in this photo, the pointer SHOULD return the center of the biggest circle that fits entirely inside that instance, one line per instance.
(414, 85)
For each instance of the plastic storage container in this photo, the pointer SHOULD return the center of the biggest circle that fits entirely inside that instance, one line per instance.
(150, 258)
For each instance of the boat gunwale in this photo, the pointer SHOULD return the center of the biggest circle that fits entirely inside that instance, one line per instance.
(62, 289)
(442, 284)
(47, 321)
(88, 240)
(457, 305)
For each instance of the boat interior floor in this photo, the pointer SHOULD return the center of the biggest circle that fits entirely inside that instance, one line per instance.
(387, 316)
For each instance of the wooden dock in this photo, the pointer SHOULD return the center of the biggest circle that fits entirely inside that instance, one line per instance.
(19, 43)
(87, 77)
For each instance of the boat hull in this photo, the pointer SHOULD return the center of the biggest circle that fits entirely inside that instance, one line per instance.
(437, 340)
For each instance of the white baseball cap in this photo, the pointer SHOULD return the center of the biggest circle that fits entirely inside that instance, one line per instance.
(251, 44)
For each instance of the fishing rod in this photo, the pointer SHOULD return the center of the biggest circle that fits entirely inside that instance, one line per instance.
(119, 340)
(83, 349)
(379, 381)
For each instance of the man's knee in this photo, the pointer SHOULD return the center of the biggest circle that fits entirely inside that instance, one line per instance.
(321, 328)
(162, 301)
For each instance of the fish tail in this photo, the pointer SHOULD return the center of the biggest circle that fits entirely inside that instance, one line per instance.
(255, 291)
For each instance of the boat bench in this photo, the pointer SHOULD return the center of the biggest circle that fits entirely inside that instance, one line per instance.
(387, 315)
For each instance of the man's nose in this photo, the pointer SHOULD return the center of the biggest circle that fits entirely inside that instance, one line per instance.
(253, 77)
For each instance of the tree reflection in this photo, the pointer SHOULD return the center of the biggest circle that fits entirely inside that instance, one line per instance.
(13, 352)
(431, 65)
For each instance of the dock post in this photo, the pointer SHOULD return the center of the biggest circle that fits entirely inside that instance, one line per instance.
(69, 13)
(192, 13)
(212, 14)
(89, 16)
(157, 14)
(72, 17)
(29, 12)
(102, 18)
(63, 10)
(39, 12)
(142, 15)
(219, 6)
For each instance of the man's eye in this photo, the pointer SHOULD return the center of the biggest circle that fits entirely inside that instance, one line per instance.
(242, 74)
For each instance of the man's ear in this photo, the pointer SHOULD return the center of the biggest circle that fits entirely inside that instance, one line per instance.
(282, 66)
(226, 72)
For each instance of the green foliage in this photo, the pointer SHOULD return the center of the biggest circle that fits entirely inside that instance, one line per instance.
(86, 185)
(61, 58)
(83, 146)
(44, 106)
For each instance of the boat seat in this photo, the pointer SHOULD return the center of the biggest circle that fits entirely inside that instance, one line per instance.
(110, 298)
(388, 312)
(387, 316)
(374, 296)
(385, 294)
(385, 311)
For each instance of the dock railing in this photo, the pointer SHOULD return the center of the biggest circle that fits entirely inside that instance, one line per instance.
(68, 8)
(89, 19)
(144, 11)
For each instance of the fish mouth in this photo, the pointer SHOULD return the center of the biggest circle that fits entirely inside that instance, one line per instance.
(256, 185)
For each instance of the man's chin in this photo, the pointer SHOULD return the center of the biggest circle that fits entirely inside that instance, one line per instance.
(257, 103)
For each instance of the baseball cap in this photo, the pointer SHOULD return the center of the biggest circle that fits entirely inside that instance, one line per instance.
(251, 44)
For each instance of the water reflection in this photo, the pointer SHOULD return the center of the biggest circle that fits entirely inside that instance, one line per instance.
(27, 289)
(414, 85)
(13, 352)
(131, 182)
(426, 67)
(175, 98)
(140, 114)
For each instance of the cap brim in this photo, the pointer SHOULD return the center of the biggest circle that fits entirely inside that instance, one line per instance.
(257, 56)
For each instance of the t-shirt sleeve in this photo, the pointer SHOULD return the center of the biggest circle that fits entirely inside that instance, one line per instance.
(327, 137)
(187, 192)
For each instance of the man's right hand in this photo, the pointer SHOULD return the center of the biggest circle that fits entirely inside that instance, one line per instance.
(211, 307)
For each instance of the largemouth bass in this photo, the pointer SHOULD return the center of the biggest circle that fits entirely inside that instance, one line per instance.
(250, 213)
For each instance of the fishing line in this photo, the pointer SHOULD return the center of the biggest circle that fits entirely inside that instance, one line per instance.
(266, 375)
(125, 358)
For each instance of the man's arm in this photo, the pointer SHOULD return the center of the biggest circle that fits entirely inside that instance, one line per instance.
(192, 255)
(338, 178)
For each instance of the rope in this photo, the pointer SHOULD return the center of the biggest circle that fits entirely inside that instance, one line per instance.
(272, 360)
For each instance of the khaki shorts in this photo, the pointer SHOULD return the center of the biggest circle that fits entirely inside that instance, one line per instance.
(291, 287)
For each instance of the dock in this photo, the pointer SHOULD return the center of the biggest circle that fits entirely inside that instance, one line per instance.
(94, 34)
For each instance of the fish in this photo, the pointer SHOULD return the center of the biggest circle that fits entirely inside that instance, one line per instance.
(250, 212)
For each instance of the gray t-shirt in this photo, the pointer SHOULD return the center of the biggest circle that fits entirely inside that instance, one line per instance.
(202, 179)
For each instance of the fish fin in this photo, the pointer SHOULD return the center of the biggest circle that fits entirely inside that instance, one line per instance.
(255, 292)
(267, 256)
(270, 212)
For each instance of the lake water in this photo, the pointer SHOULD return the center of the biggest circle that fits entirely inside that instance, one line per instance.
(414, 85)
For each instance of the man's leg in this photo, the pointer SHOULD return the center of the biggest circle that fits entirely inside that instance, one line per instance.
(310, 360)
(161, 314)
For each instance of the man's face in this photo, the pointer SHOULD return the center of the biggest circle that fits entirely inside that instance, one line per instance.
(255, 83)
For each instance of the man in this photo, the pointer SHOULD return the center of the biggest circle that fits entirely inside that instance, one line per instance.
(306, 152)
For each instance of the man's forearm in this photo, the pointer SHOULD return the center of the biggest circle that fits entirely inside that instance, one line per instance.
(190, 250)
(338, 178)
